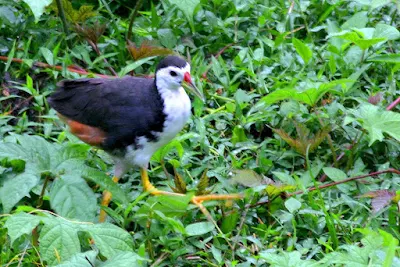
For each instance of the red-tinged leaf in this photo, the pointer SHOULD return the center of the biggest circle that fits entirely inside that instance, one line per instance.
(90, 32)
(380, 199)
(147, 50)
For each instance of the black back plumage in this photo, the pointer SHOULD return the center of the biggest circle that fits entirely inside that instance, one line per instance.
(125, 108)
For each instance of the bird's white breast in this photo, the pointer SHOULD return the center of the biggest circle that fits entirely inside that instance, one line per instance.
(177, 110)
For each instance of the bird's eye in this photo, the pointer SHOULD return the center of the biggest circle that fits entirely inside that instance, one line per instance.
(173, 73)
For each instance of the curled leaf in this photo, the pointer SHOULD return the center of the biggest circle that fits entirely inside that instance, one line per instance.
(147, 50)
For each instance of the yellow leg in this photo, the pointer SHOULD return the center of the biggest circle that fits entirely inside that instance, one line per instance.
(107, 196)
(197, 200)
(149, 187)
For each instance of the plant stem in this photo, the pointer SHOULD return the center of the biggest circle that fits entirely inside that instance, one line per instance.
(73, 69)
(344, 181)
(393, 104)
(46, 181)
(132, 17)
(97, 50)
(63, 20)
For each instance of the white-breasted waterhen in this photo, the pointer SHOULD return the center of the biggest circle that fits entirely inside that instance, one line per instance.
(130, 117)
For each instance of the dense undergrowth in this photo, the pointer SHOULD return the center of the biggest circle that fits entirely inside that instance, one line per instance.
(300, 116)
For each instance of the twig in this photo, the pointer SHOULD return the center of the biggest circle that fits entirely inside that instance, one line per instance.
(23, 255)
(393, 104)
(244, 213)
(132, 18)
(160, 259)
(96, 48)
(343, 181)
(287, 195)
(324, 176)
(18, 105)
(73, 69)
(63, 20)
(46, 181)
(204, 75)
(258, 204)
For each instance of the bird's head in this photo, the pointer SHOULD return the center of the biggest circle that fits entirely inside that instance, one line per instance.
(172, 71)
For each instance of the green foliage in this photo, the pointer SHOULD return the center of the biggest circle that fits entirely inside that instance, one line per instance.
(296, 104)
(377, 121)
(59, 240)
(75, 16)
(37, 7)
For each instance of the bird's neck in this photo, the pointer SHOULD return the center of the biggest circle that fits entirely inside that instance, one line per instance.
(163, 84)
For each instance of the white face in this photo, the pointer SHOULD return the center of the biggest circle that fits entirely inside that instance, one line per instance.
(171, 77)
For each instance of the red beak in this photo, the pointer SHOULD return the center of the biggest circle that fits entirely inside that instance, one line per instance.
(188, 79)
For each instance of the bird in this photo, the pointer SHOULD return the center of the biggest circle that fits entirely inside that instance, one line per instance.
(130, 118)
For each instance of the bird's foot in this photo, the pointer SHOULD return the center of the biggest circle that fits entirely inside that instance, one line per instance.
(107, 196)
(200, 199)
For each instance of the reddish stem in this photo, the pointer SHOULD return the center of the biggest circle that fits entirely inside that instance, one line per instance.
(344, 181)
(287, 195)
(58, 68)
(393, 104)
(204, 75)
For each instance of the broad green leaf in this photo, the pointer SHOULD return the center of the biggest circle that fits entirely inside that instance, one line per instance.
(58, 240)
(68, 156)
(285, 178)
(310, 96)
(187, 7)
(165, 206)
(37, 7)
(17, 187)
(337, 175)
(38, 150)
(276, 189)
(354, 77)
(379, 3)
(229, 222)
(390, 58)
(371, 252)
(162, 152)
(358, 20)
(334, 174)
(20, 224)
(199, 228)
(392, 244)
(123, 259)
(216, 254)
(105, 182)
(109, 238)
(302, 49)
(242, 97)
(367, 43)
(71, 197)
(287, 259)
(247, 178)
(47, 54)
(13, 151)
(292, 205)
(358, 39)
(86, 259)
(239, 135)
(378, 121)
(7, 15)
(132, 66)
(167, 38)
(386, 31)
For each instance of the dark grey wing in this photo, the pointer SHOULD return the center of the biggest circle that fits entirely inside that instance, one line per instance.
(124, 108)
